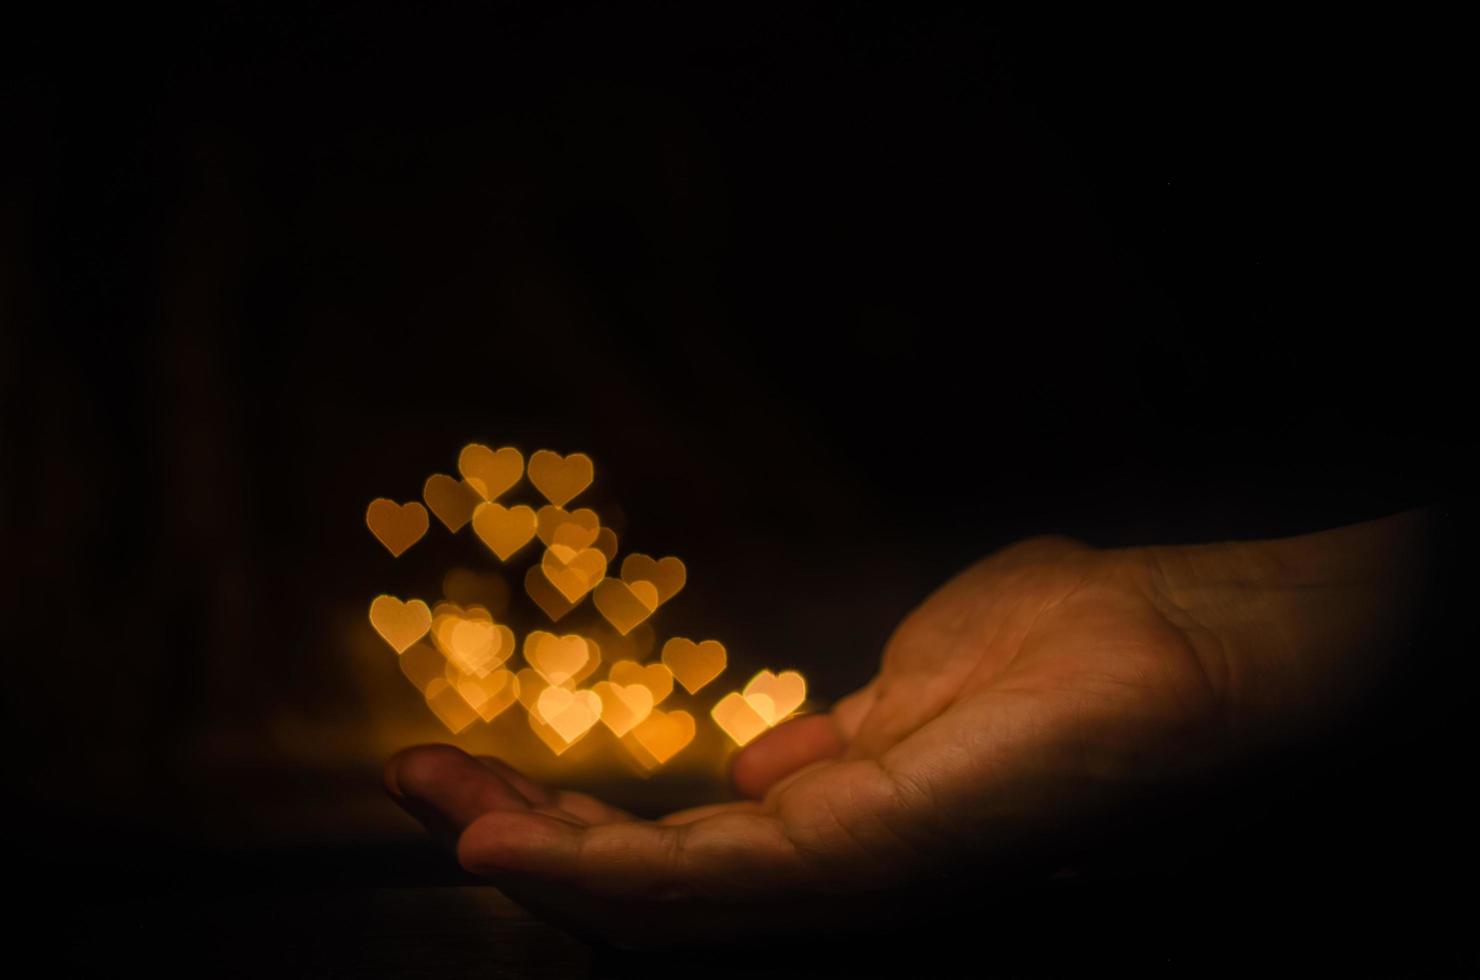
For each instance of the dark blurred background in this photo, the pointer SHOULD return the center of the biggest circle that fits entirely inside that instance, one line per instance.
(839, 298)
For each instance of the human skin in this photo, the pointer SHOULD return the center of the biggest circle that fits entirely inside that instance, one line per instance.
(1048, 683)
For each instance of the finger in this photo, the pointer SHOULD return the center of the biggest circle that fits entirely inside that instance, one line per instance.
(851, 710)
(447, 789)
(535, 793)
(782, 751)
(733, 855)
(584, 808)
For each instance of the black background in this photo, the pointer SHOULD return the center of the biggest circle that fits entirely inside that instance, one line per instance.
(838, 297)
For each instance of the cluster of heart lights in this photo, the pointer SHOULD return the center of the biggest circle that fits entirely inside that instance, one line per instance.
(462, 660)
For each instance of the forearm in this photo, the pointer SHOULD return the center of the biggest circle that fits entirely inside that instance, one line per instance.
(1295, 631)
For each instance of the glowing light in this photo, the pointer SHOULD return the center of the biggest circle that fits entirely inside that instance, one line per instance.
(459, 654)
(559, 479)
(623, 706)
(400, 623)
(655, 677)
(543, 594)
(668, 575)
(422, 664)
(575, 529)
(783, 694)
(570, 713)
(491, 474)
(694, 664)
(738, 718)
(451, 500)
(572, 572)
(504, 529)
(664, 735)
(397, 526)
(557, 658)
(449, 706)
(625, 606)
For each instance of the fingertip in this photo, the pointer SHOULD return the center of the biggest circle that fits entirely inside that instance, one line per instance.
(447, 789)
(782, 751)
(422, 769)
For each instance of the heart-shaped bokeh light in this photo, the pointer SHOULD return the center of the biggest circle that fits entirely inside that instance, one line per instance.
(460, 653)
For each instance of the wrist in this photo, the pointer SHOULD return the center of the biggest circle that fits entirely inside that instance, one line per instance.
(1294, 632)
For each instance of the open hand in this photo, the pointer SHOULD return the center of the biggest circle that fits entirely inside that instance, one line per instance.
(1038, 684)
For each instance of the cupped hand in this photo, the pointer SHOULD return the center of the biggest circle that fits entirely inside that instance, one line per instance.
(1033, 688)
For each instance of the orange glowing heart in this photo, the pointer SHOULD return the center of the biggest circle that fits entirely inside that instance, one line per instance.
(545, 595)
(504, 529)
(570, 713)
(557, 658)
(490, 473)
(576, 529)
(665, 734)
(606, 543)
(398, 526)
(667, 574)
(623, 707)
(572, 572)
(738, 718)
(451, 500)
(655, 677)
(552, 739)
(530, 685)
(400, 623)
(478, 648)
(623, 605)
(449, 706)
(489, 696)
(560, 479)
(694, 664)
(784, 692)
(422, 664)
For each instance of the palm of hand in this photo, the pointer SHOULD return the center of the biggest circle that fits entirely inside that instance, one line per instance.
(1027, 689)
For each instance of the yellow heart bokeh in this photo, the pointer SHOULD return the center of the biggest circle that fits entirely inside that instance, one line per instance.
(557, 658)
(572, 572)
(664, 735)
(451, 500)
(667, 574)
(504, 529)
(400, 623)
(655, 677)
(478, 648)
(560, 479)
(694, 664)
(576, 529)
(623, 706)
(530, 684)
(606, 543)
(489, 696)
(422, 664)
(397, 526)
(738, 718)
(784, 692)
(490, 473)
(625, 606)
(570, 713)
(544, 594)
(449, 706)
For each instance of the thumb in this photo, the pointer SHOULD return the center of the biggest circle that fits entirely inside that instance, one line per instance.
(782, 751)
